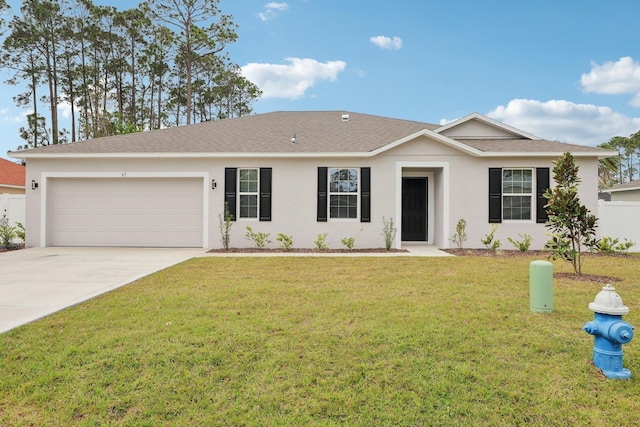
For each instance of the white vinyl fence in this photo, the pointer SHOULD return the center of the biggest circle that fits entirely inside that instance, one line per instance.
(13, 206)
(620, 220)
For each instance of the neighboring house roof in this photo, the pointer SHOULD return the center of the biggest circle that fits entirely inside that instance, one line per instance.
(323, 133)
(11, 174)
(628, 186)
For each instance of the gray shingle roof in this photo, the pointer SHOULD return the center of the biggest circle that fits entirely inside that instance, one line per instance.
(631, 185)
(315, 132)
(271, 133)
(523, 145)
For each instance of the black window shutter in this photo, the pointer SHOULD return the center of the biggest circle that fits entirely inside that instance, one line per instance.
(542, 183)
(265, 194)
(322, 194)
(230, 175)
(365, 194)
(495, 195)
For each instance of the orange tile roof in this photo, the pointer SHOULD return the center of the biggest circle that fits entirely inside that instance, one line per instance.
(12, 173)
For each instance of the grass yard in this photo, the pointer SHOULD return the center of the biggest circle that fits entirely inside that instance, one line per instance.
(325, 341)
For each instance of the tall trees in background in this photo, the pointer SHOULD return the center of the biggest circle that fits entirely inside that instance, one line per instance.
(196, 44)
(4, 7)
(626, 166)
(159, 64)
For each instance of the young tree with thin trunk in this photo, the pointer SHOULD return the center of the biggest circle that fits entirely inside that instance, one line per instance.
(572, 225)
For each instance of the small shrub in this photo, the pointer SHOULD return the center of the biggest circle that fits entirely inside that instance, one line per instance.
(460, 235)
(610, 245)
(21, 232)
(389, 232)
(226, 222)
(349, 242)
(521, 245)
(286, 241)
(7, 233)
(321, 242)
(489, 241)
(624, 247)
(260, 240)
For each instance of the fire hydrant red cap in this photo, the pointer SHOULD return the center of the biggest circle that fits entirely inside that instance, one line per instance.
(608, 302)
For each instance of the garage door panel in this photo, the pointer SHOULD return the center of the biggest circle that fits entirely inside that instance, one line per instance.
(144, 212)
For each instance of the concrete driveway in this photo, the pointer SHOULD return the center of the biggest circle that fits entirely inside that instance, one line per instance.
(39, 281)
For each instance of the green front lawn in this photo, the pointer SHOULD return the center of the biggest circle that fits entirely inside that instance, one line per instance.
(324, 341)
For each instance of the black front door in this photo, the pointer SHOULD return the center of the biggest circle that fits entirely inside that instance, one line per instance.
(414, 209)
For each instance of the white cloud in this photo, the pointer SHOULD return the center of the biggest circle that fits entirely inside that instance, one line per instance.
(292, 80)
(11, 116)
(272, 9)
(64, 109)
(565, 121)
(384, 42)
(614, 78)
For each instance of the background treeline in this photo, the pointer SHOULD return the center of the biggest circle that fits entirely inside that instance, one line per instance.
(623, 168)
(160, 64)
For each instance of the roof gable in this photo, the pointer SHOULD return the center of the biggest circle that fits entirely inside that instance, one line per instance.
(477, 126)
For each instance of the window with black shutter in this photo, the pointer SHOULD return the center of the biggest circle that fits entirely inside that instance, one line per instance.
(248, 193)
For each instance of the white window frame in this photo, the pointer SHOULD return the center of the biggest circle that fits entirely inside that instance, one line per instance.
(338, 193)
(531, 195)
(248, 193)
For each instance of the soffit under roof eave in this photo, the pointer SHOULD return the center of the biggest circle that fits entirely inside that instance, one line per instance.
(447, 141)
(26, 156)
(554, 154)
(616, 190)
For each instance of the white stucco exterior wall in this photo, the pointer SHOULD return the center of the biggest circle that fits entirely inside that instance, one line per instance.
(458, 183)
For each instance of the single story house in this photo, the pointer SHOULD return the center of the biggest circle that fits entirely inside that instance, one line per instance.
(302, 174)
(12, 177)
(627, 192)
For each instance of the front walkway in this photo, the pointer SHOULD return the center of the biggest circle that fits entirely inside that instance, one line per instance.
(422, 249)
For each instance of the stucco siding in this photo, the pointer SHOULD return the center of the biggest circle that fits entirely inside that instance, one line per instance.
(469, 199)
(459, 190)
(475, 129)
(423, 147)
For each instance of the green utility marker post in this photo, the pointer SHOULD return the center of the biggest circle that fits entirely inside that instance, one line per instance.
(541, 286)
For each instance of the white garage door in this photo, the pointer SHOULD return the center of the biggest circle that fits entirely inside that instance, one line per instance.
(139, 212)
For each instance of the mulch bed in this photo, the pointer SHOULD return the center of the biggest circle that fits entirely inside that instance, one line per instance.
(12, 247)
(306, 250)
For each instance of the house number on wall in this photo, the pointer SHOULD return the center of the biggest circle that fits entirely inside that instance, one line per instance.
(124, 174)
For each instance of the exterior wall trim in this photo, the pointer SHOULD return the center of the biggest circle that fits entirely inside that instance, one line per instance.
(45, 176)
(444, 209)
(601, 154)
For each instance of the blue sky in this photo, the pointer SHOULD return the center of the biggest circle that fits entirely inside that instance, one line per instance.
(567, 71)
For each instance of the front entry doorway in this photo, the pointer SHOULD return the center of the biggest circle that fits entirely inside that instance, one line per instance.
(414, 209)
